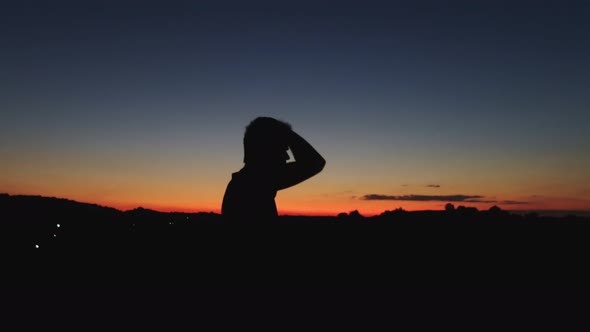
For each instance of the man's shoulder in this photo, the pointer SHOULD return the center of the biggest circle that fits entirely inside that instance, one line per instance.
(238, 176)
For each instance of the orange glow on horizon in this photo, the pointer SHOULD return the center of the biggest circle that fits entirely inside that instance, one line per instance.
(336, 209)
(322, 207)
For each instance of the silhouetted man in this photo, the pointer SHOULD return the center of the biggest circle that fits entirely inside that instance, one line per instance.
(250, 195)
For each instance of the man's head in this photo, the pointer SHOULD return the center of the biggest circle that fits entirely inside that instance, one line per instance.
(265, 142)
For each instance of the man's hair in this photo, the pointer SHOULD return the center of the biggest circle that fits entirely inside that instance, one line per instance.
(262, 134)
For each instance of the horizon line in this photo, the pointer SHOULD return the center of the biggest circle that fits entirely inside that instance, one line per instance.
(290, 213)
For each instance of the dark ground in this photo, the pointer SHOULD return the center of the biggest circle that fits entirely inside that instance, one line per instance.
(96, 246)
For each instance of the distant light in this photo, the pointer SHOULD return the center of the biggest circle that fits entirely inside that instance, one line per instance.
(54, 235)
(37, 246)
(58, 225)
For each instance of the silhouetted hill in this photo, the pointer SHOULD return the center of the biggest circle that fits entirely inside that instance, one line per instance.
(88, 244)
(31, 205)
(34, 220)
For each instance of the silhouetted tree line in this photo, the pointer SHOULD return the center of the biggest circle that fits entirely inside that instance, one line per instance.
(457, 246)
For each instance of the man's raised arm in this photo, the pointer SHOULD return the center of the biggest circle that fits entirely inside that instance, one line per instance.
(308, 162)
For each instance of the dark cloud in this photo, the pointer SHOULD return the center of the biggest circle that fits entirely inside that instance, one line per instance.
(422, 198)
(480, 201)
(439, 198)
(433, 186)
(512, 202)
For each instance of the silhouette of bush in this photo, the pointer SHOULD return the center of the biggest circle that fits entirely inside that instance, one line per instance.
(390, 215)
(351, 216)
(355, 215)
(495, 209)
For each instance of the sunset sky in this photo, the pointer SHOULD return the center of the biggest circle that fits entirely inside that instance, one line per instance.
(413, 104)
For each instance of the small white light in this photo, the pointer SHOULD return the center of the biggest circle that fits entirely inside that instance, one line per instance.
(58, 225)
(54, 235)
(37, 246)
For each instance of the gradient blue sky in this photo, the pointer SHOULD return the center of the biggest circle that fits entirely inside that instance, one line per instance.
(144, 103)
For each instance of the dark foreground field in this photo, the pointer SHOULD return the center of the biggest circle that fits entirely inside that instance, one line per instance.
(88, 245)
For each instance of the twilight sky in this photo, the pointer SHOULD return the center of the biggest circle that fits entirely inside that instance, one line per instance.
(413, 104)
